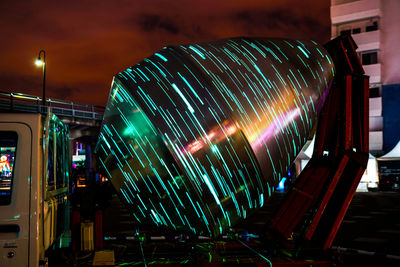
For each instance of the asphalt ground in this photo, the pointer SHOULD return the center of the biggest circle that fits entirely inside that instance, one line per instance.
(370, 230)
(368, 236)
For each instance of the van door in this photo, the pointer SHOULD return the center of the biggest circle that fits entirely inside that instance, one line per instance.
(15, 195)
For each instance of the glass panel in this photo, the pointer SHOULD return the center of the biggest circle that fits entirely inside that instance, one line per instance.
(8, 147)
(58, 159)
(50, 159)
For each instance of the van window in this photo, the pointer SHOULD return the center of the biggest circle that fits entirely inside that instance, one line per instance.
(62, 160)
(8, 147)
(58, 151)
(50, 160)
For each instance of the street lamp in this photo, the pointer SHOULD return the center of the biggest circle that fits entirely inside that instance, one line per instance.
(42, 62)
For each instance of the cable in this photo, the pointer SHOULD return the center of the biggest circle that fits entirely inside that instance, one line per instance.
(365, 252)
(256, 252)
(141, 250)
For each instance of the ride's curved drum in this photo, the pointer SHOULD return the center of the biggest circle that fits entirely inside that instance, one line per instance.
(196, 136)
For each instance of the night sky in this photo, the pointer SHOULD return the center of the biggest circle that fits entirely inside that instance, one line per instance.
(87, 42)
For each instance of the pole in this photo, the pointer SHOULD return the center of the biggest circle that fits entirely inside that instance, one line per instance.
(44, 77)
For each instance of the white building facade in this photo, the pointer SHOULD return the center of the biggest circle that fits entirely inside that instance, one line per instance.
(375, 27)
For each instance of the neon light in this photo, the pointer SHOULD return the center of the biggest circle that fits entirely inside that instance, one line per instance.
(281, 185)
(183, 97)
(197, 51)
(161, 56)
(210, 187)
(302, 50)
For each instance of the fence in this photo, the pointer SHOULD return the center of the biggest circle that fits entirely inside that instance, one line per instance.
(17, 102)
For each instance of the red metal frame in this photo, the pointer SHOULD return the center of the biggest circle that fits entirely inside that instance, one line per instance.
(326, 197)
(326, 187)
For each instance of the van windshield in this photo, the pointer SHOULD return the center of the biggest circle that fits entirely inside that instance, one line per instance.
(8, 147)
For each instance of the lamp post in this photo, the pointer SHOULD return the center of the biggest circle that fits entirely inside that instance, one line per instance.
(42, 62)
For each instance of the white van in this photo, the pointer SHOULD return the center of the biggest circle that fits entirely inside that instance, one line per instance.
(34, 178)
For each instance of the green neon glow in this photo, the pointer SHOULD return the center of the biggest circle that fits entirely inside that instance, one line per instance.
(161, 56)
(302, 50)
(197, 51)
(183, 97)
(210, 187)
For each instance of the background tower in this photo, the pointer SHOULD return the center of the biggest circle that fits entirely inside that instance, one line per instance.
(375, 27)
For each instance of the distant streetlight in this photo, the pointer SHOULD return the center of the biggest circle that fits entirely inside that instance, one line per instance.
(42, 62)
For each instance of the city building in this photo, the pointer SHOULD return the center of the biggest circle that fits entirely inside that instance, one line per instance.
(375, 27)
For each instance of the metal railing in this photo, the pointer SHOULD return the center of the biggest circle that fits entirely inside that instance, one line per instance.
(17, 102)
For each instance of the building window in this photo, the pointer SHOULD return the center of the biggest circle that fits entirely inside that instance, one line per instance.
(345, 32)
(373, 27)
(374, 92)
(356, 30)
(369, 58)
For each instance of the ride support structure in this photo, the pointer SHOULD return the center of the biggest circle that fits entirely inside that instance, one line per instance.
(319, 199)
